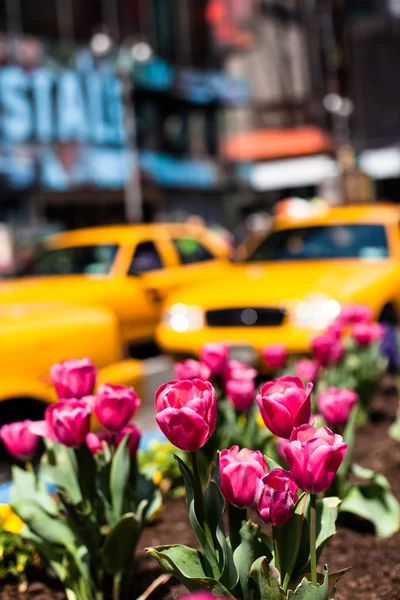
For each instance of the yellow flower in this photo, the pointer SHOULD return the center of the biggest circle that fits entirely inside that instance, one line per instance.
(9, 520)
(260, 421)
(157, 477)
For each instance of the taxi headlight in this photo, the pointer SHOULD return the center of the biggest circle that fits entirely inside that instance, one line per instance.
(182, 318)
(317, 313)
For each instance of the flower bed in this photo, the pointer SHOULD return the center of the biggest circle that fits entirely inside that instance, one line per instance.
(230, 461)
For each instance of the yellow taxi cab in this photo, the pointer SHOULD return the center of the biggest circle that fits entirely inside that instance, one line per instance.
(128, 269)
(292, 283)
(91, 292)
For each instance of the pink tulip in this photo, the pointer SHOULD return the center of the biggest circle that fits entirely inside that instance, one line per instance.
(335, 330)
(215, 356)
(285, 404)
(238, 370)
(239, 472)
(327, 349)
(314, 457)
(306, 369)
(186, 412)
(115, 405)
(66, 422)
(133, 441)
(73, 378)
(95, 441)
(192, 369)
(19, 440)
(274, 356)
(275, 497)
(201, 595)
(367, 333)
(356, 313)
(335, 405)
(241, 393)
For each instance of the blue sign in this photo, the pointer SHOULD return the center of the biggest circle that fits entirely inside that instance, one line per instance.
(61, 128)
(180, 173)
(199, 87)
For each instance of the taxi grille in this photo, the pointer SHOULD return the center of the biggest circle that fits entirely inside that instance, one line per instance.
(245, 317)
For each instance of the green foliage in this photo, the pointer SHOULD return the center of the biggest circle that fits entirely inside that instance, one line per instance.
(16, 556)
(90, 531)
(157, 463)
(246, 564)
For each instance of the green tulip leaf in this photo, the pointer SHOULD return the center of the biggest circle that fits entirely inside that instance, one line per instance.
(267, 579)
(148, 496)
(375, 503)
(349, 437)
(59, 466)
(327, 512)
(48, 527)
(245, 556)
(26, 485)
(272, 464)
(293, 542)
(187, 565)
(120, 544)
(215, 507)
(119, 476)
(307, 591)
(211, 564)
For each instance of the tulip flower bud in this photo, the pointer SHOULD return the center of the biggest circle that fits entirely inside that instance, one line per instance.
(115, 405)
(201, 595)
(327, 349)
(133, 441)
(241, 393)
(66, 422)
(238, 370)
(276, 496)
(335, 405)
(314, 457)
(274, 356)
(285, 404)
(367, 333)
(19, 440)
(215, 356)
(355, 313)
(95, 441)
(239, 472)
(306, 369)
(186, 412)
(74, 378)
(192, 369)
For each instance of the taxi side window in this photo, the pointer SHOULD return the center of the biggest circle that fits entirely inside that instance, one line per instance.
(191, 251)
(145, 258)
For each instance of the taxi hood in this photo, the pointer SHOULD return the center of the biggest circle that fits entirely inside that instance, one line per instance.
(278, 283)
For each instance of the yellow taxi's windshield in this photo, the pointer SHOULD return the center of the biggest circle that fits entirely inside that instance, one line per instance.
(364, 241)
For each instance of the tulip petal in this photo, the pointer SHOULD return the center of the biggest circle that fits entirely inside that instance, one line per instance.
(276, 417)
(40, 428)
(184, 428)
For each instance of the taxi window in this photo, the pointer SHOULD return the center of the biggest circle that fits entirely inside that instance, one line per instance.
(75, 260)
(145, 258)
(191, 251)
(364, 241)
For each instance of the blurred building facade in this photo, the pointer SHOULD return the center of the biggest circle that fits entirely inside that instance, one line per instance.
(228, 108)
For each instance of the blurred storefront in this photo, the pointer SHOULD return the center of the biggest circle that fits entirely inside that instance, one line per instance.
(227, 96)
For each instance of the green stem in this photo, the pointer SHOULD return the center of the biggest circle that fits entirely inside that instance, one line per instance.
(198, 489)
(313, 538)
(276, 548)
(29, 466)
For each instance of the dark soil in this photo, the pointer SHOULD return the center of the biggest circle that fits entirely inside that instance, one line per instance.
(375, 562)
